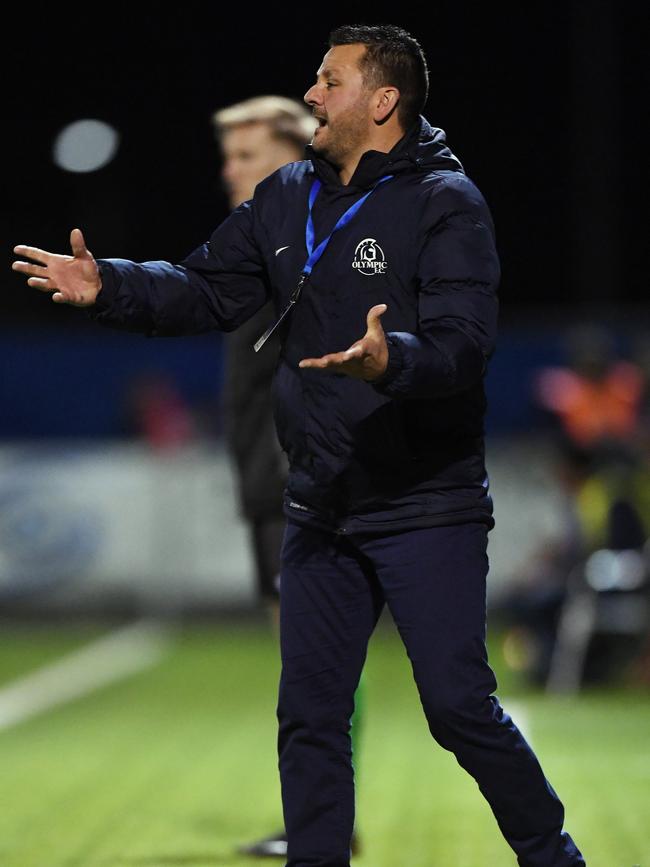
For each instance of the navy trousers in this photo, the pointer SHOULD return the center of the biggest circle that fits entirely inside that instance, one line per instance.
(333, 589)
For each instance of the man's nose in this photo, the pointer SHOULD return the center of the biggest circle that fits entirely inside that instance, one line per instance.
(229, 170)
(312, 97)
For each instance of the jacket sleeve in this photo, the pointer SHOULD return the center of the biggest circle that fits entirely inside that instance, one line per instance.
(216, 287)
(458, 275)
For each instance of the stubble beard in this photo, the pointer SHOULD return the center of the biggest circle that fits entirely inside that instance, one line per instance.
(344, 138)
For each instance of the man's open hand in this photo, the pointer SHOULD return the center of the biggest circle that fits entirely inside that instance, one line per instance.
(73, 279)
(366, 359)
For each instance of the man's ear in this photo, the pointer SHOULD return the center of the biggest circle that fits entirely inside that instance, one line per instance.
(386, 100)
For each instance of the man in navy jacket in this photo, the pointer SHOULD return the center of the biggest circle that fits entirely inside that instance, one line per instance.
(378, 230)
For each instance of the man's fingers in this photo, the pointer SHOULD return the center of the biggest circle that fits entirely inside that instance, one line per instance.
(42, 283)
(374, 314)
(30, 268)
(33, 253)
(324, 361)
(77, 243)
(60, 298)
(335, 359)
(39, 277)
(315, 362)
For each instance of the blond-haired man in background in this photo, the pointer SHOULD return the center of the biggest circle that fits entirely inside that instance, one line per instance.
(256, 137)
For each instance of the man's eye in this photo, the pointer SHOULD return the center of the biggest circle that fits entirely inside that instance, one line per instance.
(329, 84)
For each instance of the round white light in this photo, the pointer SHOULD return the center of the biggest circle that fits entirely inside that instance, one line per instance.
(85, 145)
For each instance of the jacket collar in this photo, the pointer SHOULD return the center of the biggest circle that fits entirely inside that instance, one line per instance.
(421, 148)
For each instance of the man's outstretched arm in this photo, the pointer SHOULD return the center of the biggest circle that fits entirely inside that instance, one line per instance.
(217, 287)
(71, 279)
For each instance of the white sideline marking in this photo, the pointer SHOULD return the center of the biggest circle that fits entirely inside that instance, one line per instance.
(110, 658)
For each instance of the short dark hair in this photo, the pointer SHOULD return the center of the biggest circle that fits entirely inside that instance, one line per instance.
(394, 57)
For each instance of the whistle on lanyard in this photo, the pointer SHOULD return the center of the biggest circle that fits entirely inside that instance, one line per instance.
(293, 298)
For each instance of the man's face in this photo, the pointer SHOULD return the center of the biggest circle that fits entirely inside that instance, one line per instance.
(250, 154)
(341, 103)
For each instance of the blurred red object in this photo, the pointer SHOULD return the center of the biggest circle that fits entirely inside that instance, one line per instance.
(592, 409)
(160, 414)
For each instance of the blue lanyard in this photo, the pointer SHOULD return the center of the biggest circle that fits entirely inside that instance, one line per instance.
(314, 255)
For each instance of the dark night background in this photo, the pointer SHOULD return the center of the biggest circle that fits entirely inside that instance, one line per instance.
(545, 104)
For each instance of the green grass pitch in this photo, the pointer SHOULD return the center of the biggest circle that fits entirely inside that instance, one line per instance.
(176, 765)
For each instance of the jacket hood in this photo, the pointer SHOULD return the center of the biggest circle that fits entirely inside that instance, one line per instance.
(422, 148)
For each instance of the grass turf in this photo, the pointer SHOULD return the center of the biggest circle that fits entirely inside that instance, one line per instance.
(176, 765)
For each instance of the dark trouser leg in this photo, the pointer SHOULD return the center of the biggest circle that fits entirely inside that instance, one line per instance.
(434, 583)
(329, 605)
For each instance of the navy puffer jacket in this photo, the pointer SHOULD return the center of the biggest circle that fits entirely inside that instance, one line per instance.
(403, 451)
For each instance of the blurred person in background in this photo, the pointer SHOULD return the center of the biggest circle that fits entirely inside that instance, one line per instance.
(641, 356)
(601, 470)
(605, 504)
(157, 412)
(256, 137)
(596, 397)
